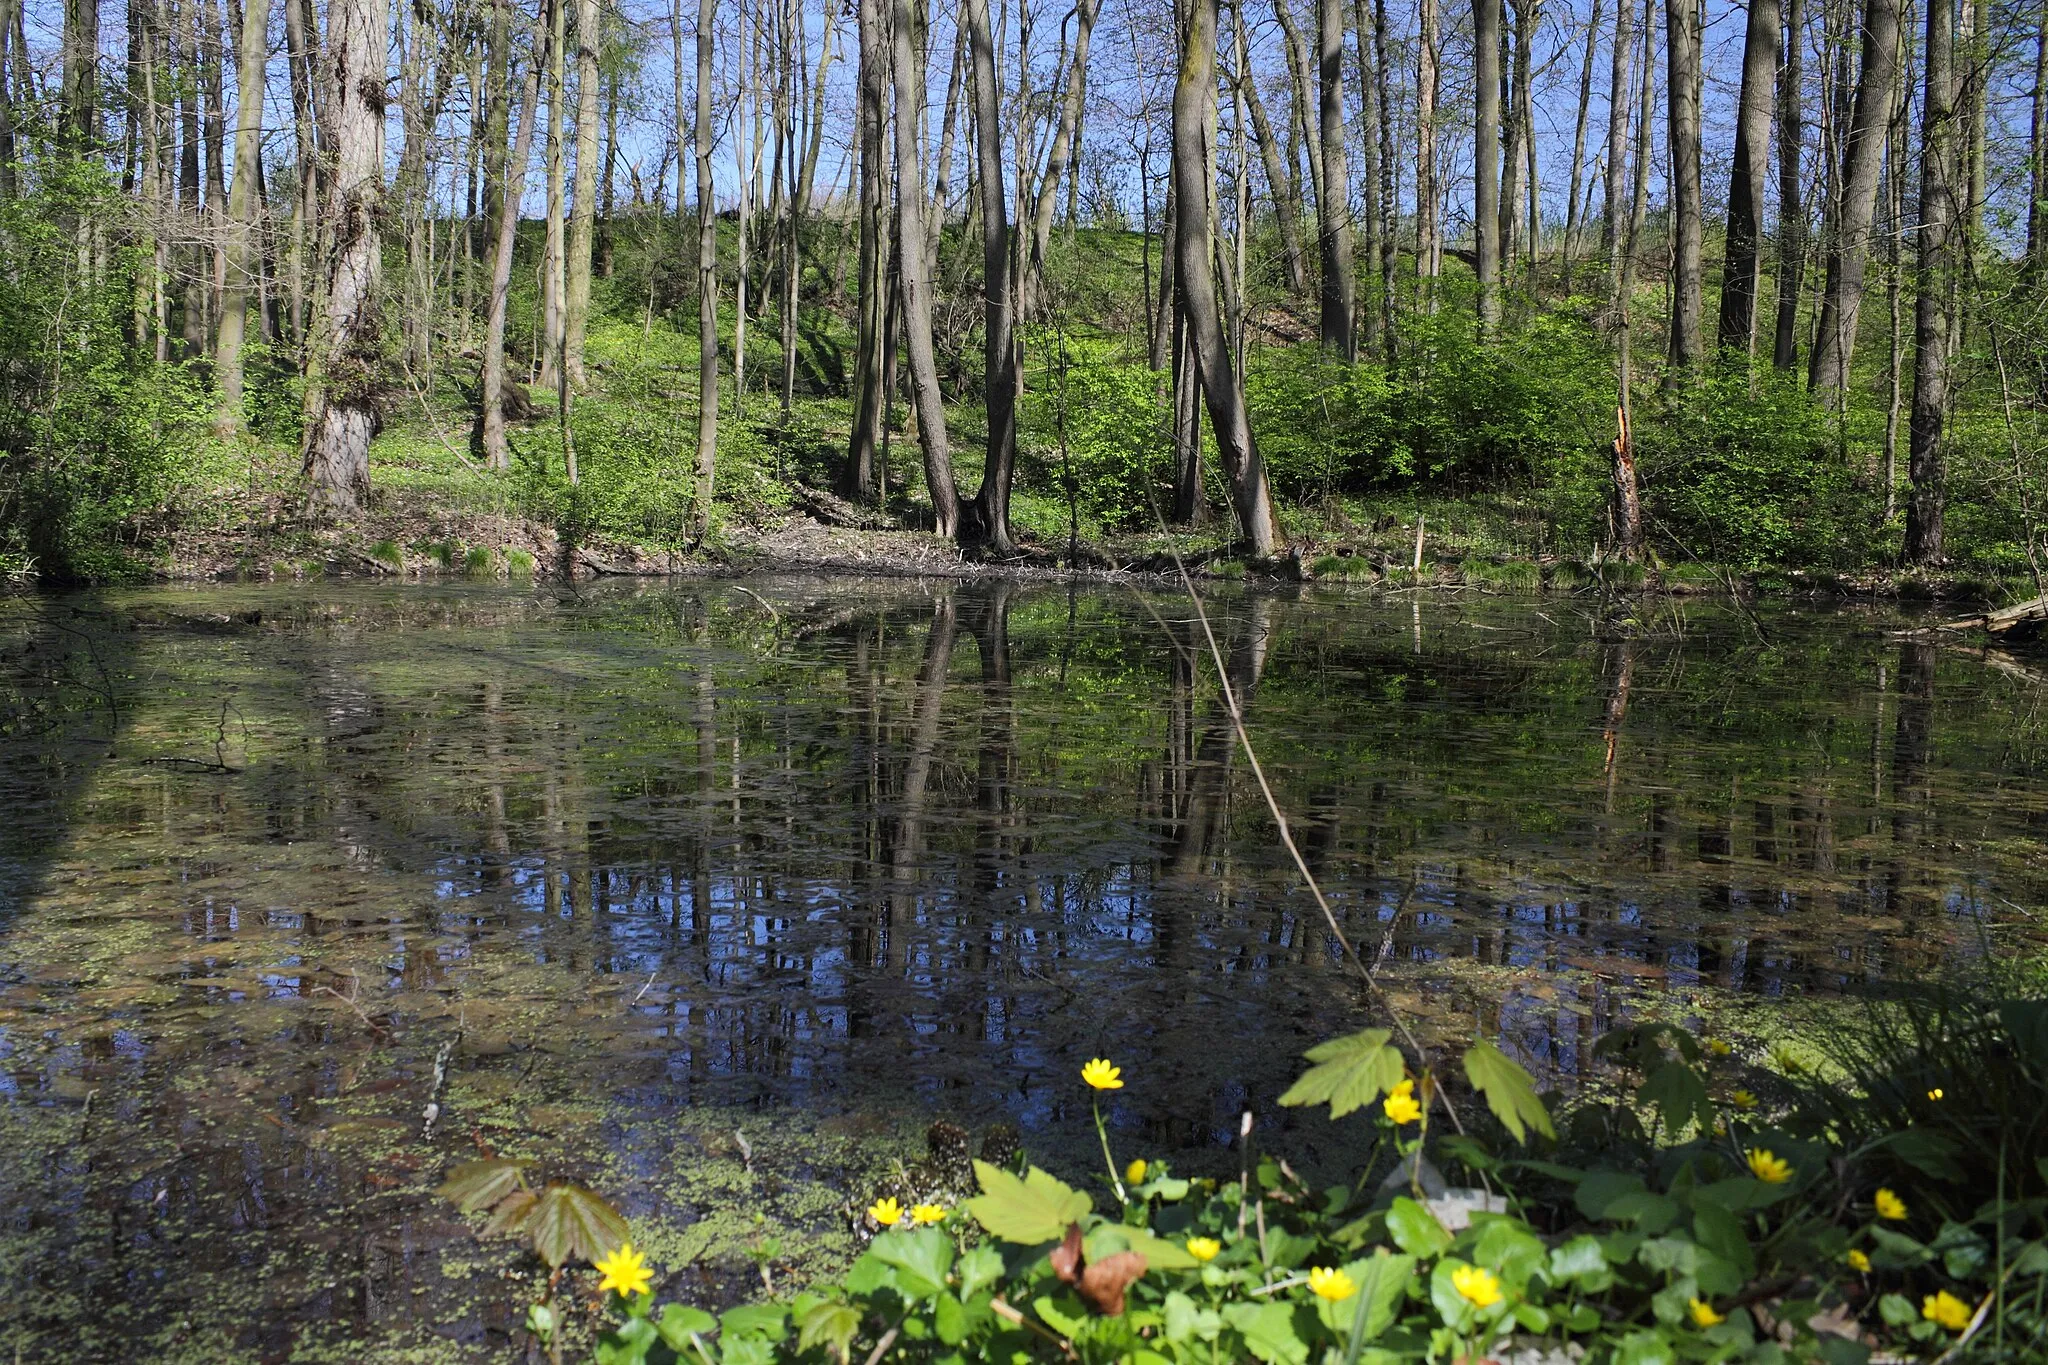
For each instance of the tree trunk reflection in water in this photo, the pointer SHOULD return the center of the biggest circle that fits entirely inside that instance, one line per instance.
(1912, 794)
(1200, 820)
(908, 845)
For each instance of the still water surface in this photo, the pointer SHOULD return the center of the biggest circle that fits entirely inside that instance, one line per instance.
(819, 861)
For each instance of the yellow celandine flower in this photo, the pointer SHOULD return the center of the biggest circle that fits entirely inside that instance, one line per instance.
(1768, 1167)
(1742, 1099)
(928, 1213)
(1135, 1172)
(1947, 1310)
(1718, 1048)
(1401, 1105)
(1330, 1283)
(625, 1270)
(1204, 1248)
(1703, 1314)
(1100, 1074)
(887, 1212)
(1858, 1262)
(1935, 1093)
(1891, 1206)
(1477, 1287)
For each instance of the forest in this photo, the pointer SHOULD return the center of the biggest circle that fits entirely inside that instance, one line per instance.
(1750, 288)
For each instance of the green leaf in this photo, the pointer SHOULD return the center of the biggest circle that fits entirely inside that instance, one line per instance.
(768, 1321)
(745, 1351)
(1382, 1279)
(1159, 1253)
(1581, 1261)
(1645, 1348)
(628, 1345)
(678, 1323)
(1268, 1331)
(979, 1269)
(1185, 1322)
(1680, 1097)
(1350, 1072)
(1601, 1188)
(1898, 1310)
(1651, 1212)
(1031, 1211)
(922, 1259)
(1415, 1229)
(477, 1185)
(572, 1224)
(949, 1320)
(1720, 1232)
(1509, 1091)
(832, 1325)
(1064, 1313)
(1896, 1251)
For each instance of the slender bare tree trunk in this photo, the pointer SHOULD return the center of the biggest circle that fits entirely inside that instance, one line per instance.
(1791, 210)
(1742, 275)
(1390, 184)
(870, 403)
(1834, 339)
(1372, 304)
(1282, 181)
(1486, 33)
(1333, 191)
(1059, 159)
(342, 385)
(1429, 241)
(553, 281)
(1682, 96)
(2037, 170)
(1573, 205)
(988, 520)
(502, 195)
(1894, 238)
(607, 194)
(1934, 283)
(79, 124)
(910, 270)
(707, 283)
(1194, 169)
(1300, 86)
(244, 208)
(1515, 73)
(583, 222)
(1613, 228)
(8, 57)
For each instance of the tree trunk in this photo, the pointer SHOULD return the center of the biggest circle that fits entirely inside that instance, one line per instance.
(1194, 168)
(502, 195)
(1933, 281)
(553, 281)
(1573, 205)
(244, 209)
(1059, 159)
(910, 269)
(8, 57)
(306, 135)
(1682, 96)
(1390, 183)
(1514, 129)
(1299, 86)
(342, 387)
(1486, 162)
(1429, 243)
(1613, 227)
(1791, 211)
(1741, 277)
(81, 54)
(2037, 171)
(1333, 191)
(1834, 340)
(1282, 182)
(707, 284)
(583, 223)
(607, 195)
(857, 476)
(988, 519)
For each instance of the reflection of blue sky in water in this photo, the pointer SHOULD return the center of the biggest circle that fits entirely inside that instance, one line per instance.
(904, 850)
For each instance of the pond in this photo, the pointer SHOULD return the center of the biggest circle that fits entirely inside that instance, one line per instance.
(716, 894)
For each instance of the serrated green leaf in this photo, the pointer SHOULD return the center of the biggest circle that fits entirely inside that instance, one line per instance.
(477, 1185)
(1350, 1072)
(678, 1322)
(922, 1259)
(1508, 1089)
(1031, 1211)
(569, 1223)
(511, 1213)
(979, 1269)
(1680, 1096)
(1268, 1331)
(832, 1325)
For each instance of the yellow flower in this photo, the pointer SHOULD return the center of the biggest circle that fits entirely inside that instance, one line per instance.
(626, 1271)
(1204, 1248)
(1401, 1106)
(1703, 1314)
(1100, 1074)
(1476, 1286)
(1742, 1099)
(1135, 1172)
(1946, 1309)
(1891, 1206)
(1935, 1093)
(1768, 1167)
(1331, 1283)
(928, 1213)
(887, 1212)
(1718, 1048)
(1858, 1262)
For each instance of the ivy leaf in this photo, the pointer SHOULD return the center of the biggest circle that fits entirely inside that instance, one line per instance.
(1679, 1095)
(1509, 1091)
(569, 1223)
(477, 1185)
(1350, 1072)
(1031, 1211)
